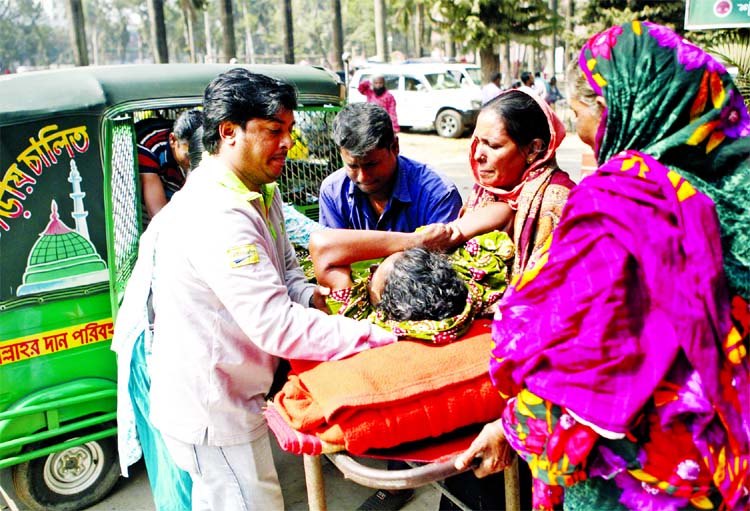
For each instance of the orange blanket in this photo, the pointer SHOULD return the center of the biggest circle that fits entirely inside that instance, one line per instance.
(395, 394)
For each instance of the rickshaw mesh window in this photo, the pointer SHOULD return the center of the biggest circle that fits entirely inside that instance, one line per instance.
(312, 157)
(124, 189)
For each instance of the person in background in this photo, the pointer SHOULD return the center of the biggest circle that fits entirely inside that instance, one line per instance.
(378, 188)
(624, 352)
(376, 92)
(540, 85)
(554, 93)
(527, 83)
(171, 487)
(492, 88)
(230, 298)
(163, 161)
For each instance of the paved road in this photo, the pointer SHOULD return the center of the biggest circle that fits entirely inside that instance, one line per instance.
(451, 157)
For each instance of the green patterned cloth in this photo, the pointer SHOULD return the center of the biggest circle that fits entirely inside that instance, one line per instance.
(671, 100)
(483, 263)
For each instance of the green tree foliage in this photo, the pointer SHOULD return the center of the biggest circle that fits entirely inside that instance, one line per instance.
(608, 12)
(27, 38)
(111, 37)
(486, 24)
(733, 48)
(359, 26)
(313, 35)
(483, 23)
(598, 15)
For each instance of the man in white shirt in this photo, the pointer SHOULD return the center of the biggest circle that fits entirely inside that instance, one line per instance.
(230, 299)
(492, 88)
(527, 83)
(540, 85)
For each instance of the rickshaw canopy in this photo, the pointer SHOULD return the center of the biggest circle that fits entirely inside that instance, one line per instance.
(29, 96)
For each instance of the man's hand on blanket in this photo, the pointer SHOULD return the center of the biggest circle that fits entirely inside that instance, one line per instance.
(491, 447)
(318, 299)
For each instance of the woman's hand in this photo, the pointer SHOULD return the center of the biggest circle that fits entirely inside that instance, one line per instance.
(435, 237)
(493, 449)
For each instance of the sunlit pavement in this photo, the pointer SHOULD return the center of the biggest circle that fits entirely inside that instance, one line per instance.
(451, 156)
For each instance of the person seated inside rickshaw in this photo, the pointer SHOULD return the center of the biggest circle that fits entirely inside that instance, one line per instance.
(405, 283)
(163, 161)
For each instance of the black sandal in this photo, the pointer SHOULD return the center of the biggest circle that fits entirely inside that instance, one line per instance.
(383, 500)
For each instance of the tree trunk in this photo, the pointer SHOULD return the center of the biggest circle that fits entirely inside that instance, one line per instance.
(531, 67)
(287, 26)
(229, 45)
(207, 31)
(158, 31)
(550, 63)
(507, 79)
(570, 8)
(188, 18)
(450, 47)
(122, 47)
(338, 36)
(249, 43)
(419, 30)
(490, 62)
(78, 32)
(381, 45)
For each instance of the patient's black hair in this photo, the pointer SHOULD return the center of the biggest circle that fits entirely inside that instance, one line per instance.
(422, 285)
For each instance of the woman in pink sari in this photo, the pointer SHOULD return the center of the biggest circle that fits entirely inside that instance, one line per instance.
(513, 161)
(623, 352)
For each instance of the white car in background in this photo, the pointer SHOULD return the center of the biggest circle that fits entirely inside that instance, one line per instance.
(427, 96)
(468, 75)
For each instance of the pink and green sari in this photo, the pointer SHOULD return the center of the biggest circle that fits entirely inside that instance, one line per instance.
(624, 350)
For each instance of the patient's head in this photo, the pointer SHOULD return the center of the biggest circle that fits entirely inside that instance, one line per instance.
(417, 284)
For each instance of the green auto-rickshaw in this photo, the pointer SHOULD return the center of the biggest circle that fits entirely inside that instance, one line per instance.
(70, 220)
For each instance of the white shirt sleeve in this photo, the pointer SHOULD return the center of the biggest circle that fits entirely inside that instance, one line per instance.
(238, 261)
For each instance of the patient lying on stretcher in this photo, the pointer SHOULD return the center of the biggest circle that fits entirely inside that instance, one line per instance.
(408, 391)
(402, 282)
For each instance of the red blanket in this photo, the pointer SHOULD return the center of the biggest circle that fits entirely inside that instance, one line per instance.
(395, 394)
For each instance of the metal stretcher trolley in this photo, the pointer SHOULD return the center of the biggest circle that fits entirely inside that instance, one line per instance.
(410, 401)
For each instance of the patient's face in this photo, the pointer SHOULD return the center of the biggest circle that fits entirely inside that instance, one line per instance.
(377, 282)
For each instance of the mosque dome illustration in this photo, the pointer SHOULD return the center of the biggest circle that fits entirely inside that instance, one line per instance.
(63, 257)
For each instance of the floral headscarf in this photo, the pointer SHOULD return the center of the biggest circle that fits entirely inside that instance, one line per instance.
(682, 108)
(624, 323)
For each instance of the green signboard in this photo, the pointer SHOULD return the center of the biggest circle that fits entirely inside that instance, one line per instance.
(708, 14)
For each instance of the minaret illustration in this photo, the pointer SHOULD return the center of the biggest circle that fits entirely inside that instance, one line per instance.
(63, 257)
(79, 215)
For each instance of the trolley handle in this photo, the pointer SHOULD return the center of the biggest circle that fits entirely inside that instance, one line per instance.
(395, 479)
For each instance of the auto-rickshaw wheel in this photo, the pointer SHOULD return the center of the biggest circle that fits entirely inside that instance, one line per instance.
(69, 480)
